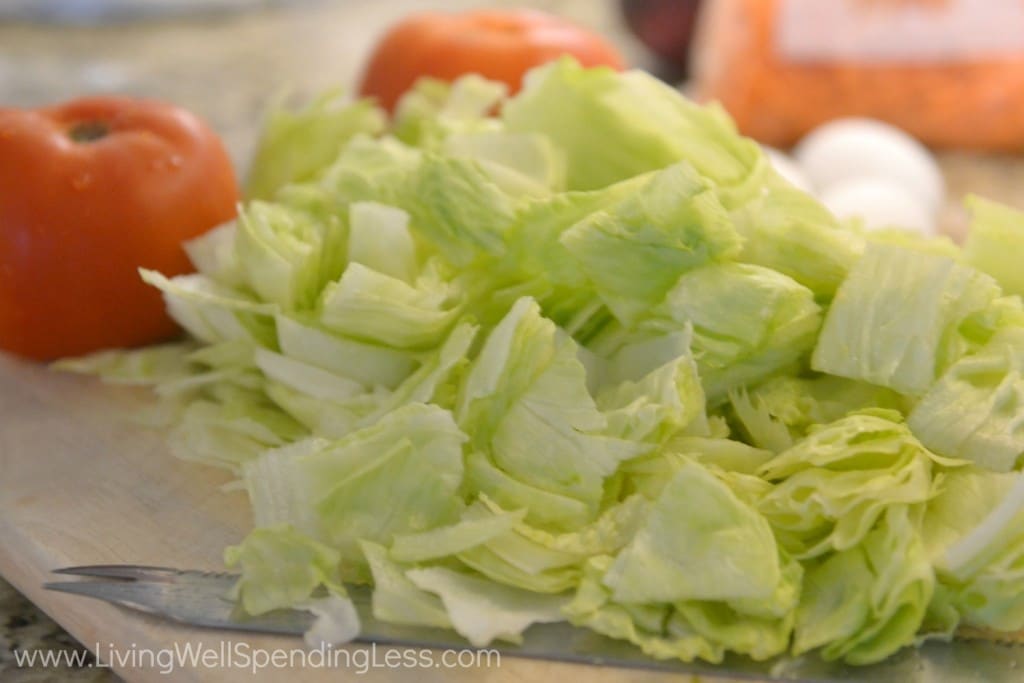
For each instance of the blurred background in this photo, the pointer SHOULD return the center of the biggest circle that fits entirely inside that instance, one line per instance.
(950, 72)
(224, 59)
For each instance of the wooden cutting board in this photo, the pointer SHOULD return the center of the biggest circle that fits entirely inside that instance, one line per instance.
(81, 484)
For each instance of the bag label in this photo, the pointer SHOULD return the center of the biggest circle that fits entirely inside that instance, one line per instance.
(922, 31)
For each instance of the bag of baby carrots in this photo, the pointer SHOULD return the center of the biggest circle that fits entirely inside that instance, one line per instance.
(950, 72)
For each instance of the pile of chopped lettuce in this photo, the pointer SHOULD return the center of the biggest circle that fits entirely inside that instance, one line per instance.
(581, 355)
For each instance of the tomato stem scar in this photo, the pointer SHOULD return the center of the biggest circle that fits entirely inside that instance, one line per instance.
(88, 131)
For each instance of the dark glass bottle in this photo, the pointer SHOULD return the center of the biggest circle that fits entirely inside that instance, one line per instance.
(666, 27)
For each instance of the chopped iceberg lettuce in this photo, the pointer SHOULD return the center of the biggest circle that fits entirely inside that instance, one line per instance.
(635, 251)
(580, 354)
(749, 323)
(976, 409)
(895, 319)
(295, 146)
(789, 231)
(530, 419)
(974, 532)
(995, 241)
(864, 603)
(833, 486)
(652, 126)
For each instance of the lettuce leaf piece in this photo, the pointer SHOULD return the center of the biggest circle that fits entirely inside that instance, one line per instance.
(996, 236)
(689, 630)
(296, 146)
(457, 119)
(337, 621)
(789, 231)
(377, 308)
(231, 430)
(534, 238)
(456, 208)
(760, 629)
(500, 568)
(833, 486)
(725, 454)
(213, 255)
(308, 379)
(435, 381)
(643, 354)
(974, 533)
(895, 319)
(635, 251)
(287, 256)
(212, 312)
(468, 532)
(335, 414)
(980, 327)
(433, 110)
(535, 263)
(147, 366)
(332, 419)
(976, 409)
(379, 238)
(514, 558)
(396, 599)
(367, 169)
(759, 422)
(481, 610)
(665, 402)
(660, 402)
(648, 474)
(864, 603)
(650, 124)
(699, 542)
(526, 408)
(424, 462)
(371, 365)
(549, 562)
(655, 629)
(544, 508)
(281, 568)
(778, 413)
(521, 164)
(749, 323)
(607, 534)
(758, 638)
(233, 354)
(967, 498)
(399, 475)
(936, 245)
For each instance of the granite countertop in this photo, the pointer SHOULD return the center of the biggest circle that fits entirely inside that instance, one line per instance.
(227, 67)
(24, 628)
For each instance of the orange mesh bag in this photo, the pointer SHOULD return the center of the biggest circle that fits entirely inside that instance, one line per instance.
(950, 72)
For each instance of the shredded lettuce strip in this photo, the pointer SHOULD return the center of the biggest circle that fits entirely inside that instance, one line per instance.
(579, 355)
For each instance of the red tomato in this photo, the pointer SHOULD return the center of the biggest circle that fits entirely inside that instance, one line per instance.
(90, 191)
(499, 44)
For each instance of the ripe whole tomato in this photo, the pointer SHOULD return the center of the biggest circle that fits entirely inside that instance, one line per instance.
(90, 191)
(499, 44)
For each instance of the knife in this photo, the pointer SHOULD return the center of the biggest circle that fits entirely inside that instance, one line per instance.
(199, 599)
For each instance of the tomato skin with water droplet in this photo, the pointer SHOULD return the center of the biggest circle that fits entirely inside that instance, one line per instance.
(90, 191)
